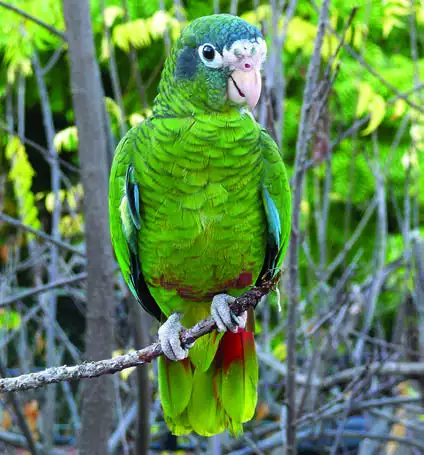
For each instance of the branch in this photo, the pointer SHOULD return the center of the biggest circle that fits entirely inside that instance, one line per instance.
(22, 13)
(43, 288)
(306, 129)
(21, 420)
(41, 234)
(135, 358)
(17, 440)
(38, 148)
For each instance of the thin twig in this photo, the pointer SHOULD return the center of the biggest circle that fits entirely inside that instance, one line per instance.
(23, 424)
(43, 288)
(61, 244)
(305, 128)
(41, 23)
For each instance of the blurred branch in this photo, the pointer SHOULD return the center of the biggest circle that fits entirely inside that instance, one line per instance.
(369, 68)
(21, 420)
(305, 130)
(38, 147)
(113, 71)
(22, 13)
(43, 288)
(142, 321)
(66, 246)
(16, 440)
(95, 369)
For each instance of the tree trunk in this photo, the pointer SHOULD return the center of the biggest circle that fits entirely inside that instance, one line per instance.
(142, 321)
(86, 88)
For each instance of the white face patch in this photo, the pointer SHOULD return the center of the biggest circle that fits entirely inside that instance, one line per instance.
(245, 54)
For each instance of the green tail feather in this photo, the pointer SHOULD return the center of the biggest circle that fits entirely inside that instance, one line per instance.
(207, 401)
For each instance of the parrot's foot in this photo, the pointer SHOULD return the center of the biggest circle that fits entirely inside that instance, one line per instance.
(169, 338)
(222, 315)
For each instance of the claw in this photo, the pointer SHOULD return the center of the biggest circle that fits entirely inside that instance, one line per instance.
(224, 318)
(169, 338)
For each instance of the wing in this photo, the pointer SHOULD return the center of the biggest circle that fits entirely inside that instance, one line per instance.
(276, 198)
(125, 213)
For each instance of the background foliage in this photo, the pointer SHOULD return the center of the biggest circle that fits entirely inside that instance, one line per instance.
(364, 179)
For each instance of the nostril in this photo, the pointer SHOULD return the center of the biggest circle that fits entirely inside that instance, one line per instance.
(247, 65)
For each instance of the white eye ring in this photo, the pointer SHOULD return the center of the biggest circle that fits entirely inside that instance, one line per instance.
(215, 62)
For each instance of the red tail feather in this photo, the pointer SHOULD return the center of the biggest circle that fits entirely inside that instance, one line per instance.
(232, 348)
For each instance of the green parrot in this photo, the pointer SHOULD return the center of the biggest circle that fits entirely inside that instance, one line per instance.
(200, 210)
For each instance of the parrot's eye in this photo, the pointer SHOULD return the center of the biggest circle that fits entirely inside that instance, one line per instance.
(210, 56)
(208, 52)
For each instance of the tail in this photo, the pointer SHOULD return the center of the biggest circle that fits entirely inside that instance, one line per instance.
(209, 393)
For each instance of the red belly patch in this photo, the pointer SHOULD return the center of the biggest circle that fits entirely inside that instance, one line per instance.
(194, 294)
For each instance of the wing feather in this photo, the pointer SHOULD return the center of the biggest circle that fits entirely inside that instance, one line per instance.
(125, 216)
(277, 203)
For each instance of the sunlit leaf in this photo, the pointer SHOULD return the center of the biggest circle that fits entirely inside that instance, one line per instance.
(111, 13)
(389, 23)
(135, 119)
(280, 351)
(417, 133)
(66, 139)
(70, 226)
(359, 34)
(9, 319)
(51, 199)
(134, 33)
(377, 109)
(21, 174)
(410, 159)
(365, 94)
(105, 50)
(399, 108)
(158, 23)
(113, 109)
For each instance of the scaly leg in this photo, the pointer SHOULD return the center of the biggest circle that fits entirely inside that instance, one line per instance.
(222, 315)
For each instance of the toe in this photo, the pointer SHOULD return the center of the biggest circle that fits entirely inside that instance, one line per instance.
(169, 338)
(221, 313)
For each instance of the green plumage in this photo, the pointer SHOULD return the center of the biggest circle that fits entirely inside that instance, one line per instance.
(199, 200)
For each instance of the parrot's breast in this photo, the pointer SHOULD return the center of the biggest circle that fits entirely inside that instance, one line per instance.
(203, 229)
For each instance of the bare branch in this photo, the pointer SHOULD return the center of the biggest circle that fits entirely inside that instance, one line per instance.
(22, 422)
(43, 288)
(305, 130)
(95, 369)
(41, 234)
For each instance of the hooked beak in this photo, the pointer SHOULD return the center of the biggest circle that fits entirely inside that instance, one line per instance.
(244, 87)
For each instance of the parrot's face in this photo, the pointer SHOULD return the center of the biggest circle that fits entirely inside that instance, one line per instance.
(218, 61)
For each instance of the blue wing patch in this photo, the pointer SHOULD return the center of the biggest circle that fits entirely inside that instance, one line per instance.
(133, 196)
(273, 218)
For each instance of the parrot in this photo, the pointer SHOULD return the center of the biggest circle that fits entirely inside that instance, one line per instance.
(200, 211)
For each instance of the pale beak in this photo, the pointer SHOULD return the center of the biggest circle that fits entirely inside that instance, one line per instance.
(244, 87)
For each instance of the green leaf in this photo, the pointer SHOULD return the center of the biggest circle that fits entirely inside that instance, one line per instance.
(66, 139)
(21, 174)
(113, 108)
(9, 319)
(364, 98)
(111, 13)
(377, 110)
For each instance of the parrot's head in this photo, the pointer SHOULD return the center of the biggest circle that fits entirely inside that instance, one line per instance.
(214, 65)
